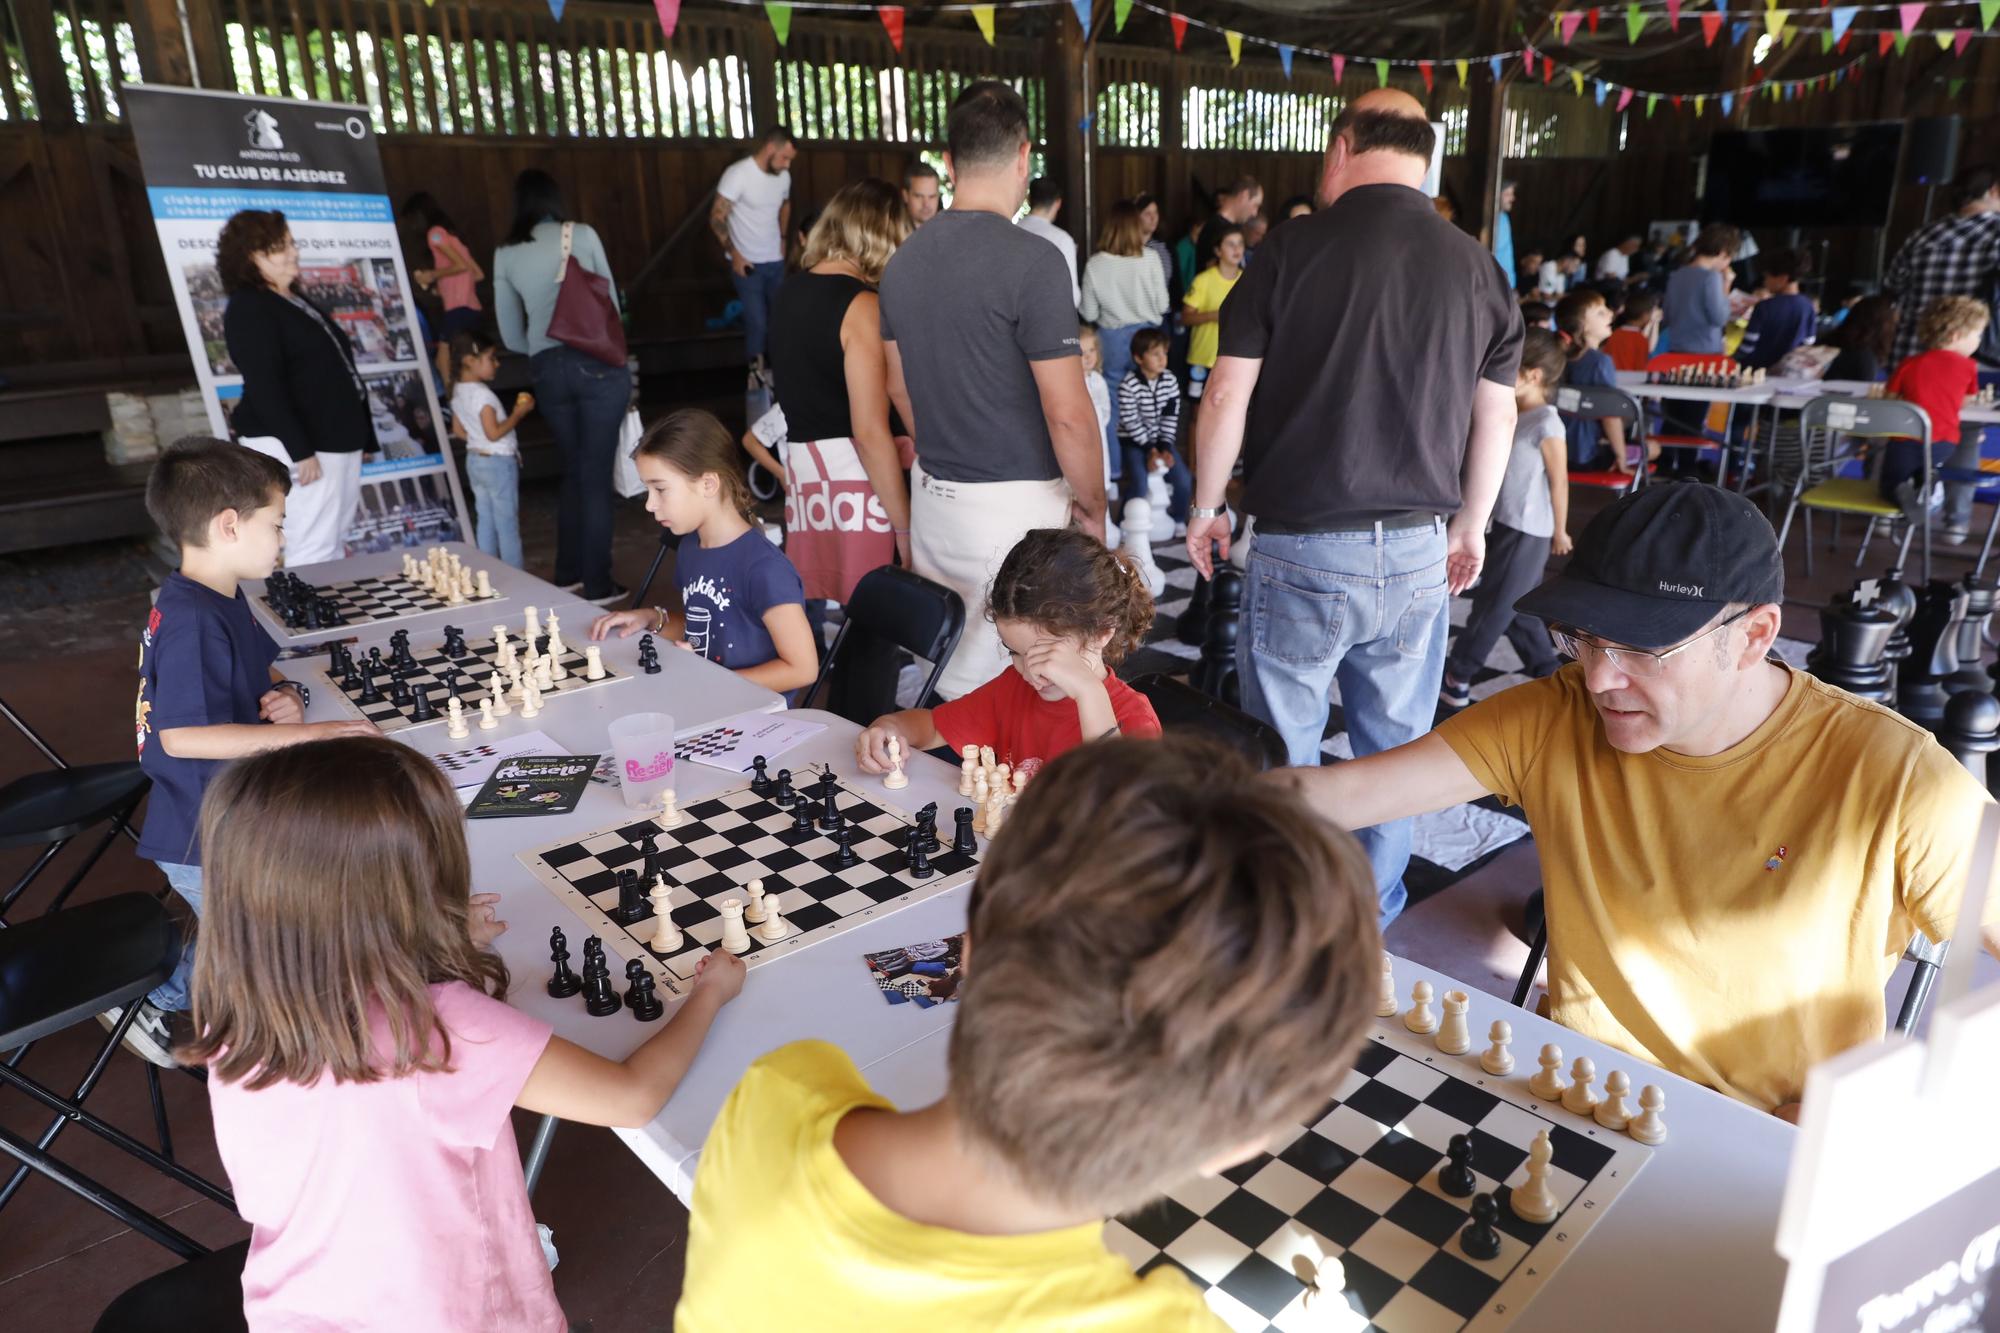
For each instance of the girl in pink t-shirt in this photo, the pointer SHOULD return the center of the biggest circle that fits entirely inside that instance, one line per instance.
(453, 270)
(363, 1067)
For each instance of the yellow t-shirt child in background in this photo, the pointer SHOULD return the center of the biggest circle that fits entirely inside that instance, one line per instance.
(1736, 951)
(1206, 293)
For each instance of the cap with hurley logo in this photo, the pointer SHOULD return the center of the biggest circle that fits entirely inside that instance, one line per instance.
(1658, 565)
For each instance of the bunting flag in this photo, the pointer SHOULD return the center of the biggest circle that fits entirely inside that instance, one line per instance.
(1121, 11)
(1960, 40)
(1624, 98)
(983, 16)
(670, 16)
(1576, 82)
(781, 20)
(1790, 35)
(1902, 40)
(1728, 103)
(1951, 89)
(1235, 40)
(1674, 14)
(1635, 21)
(1909, 14)
(1340, 67)
(1775, 20)
(892, 22)
(1285, 58)
(556, 8)
(1493, 62)
(1652, 100)
(1179, 25)
(1841, 45)
(1841, 19)
(1737, 32)
(1082, 8)
(1677, 101)
(1425, 68)
(1711, 24)
(1700, 102)
(1600, 91)
(1548, 69)
(1528, 62)
(1591, 17)
(1988, 11)
(1464, 67)
(1883, 41)
(1381, 73)
(1942, 37)
(1825, 41)
(1568, 23)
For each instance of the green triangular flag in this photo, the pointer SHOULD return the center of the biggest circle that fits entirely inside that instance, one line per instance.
(1121, 12)
(1635, 22)
(1382, 73)
(781, 20)
(1826, 37)
(1902, 43)
(1652, 100)
(1951, 89)
(1988, 11)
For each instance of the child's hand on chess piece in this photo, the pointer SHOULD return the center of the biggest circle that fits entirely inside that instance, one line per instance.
(281, 705)
(720, 973)
(481, 921)
(627, 623)
(871, 747)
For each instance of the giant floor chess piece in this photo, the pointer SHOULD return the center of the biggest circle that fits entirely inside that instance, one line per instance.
(1899, 599)
(1854, 638)
(1215, 674)
(1980, 598)
(1191, 626)
(1970, 729)
(1160, 497)
(1138, 546)
(1920, 692)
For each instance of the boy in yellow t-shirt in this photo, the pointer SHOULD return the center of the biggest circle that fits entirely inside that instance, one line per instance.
(1201, 310)
(1091, 1068)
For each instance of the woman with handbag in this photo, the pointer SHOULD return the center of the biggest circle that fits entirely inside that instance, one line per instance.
(555, 301)
(303, 403)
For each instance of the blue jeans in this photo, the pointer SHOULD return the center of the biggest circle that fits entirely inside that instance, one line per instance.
(1115, 348)
(1180, 482)
(496, 503)
(584, 402)
(757, 290)
(173, 993)
(1366, 609)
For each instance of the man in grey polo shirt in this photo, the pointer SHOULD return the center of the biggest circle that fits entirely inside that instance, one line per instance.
(1366, 378)
(983, 365)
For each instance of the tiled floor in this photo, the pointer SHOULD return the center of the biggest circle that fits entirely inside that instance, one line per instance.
(66, 629)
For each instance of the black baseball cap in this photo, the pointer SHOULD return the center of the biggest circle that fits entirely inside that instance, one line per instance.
(1658, 565)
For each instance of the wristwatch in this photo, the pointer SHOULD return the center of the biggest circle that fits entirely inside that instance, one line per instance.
(305, 692)
(1207, 511)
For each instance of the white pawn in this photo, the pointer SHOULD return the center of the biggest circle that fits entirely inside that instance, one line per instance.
(1020, 784)
(1550, 1084)
(1648, 1127)
(1001, 777)
(1387, 1003)
(531, 700)
(486, 722)
(456, 712)
(1583, 1096)
(1614, 1112)
(735, 939)
(670, 810)
(1138, 545)
(666, 935)
(515, 690)
(775, 926)
(1160, 498)
(503, 647)
(499, 700)
(557, 671)
(1455, 1037)
(1421, 1019)
(593, 663)
(754, 912)
(968, 766)
(483, 585)
(896, 780)
(1534, 1201)
(409, 565)
(1496, 1059)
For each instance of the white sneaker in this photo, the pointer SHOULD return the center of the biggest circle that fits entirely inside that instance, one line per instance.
(149, 1037)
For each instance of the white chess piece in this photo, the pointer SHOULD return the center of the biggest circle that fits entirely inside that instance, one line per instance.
(1421, 1019)
(409, 565)
(593, 663)
(498, 697)
(755, 910)
(1497, 1060)
(555, 635)
(1455, 1035)
(482, 584)
(996, 814)
(531, 699)
(775, 926)
(1533, 1200)
(968, 766)
(1614, 1112)
(666, 935)
(533, 622)
(486, 722)
(1020, 785)
(1158, 496)
(1550, 1084)
(896, 780)
(515, 689)
(1648, 1127)
(1583, 1096)
(670, 810)
(456, 712)
(1387, 1003)
(1138, 546)
(557, 671)
(735, 939)
(545, 678)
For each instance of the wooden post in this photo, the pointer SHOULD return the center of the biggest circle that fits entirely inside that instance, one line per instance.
(163, 51)
(762, 47)
(1174, 201)
(1485, 112)
(1069, 56)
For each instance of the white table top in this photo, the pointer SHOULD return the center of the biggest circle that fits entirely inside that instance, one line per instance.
(518, 590)
(1634, 383)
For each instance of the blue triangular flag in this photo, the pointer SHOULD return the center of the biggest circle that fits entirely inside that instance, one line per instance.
(1728, 102)
(1083, 126)
(1841, 18)
(556, 8)
(1285, 58)
(1738, 31)
(1494, 62)
(1082, 8)
(1601, 90)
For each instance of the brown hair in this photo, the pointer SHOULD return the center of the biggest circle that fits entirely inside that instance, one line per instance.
(1147, 340)
(1639, 307)
(862, 224)
(246, 235)
(1949, 318)
(1543, 351)
(466, 344)
(1870, 326)
(1073, 585)
(1717, 238)
(1569, 317)
(199, 477)
(1375, 130)
(1101, 1066)
(693, 443)
(335, 882)
(1123, 233)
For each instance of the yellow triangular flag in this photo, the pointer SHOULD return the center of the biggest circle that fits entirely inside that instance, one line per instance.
(1943, 39)
(1461, 66)
(1235, 40)
(983, 16)
(1576, 81)
(1700, 100)
(1775, 21)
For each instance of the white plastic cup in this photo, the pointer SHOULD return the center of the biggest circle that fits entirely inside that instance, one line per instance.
(642, 745)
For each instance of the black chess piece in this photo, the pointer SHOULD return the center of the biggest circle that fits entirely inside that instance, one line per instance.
(927, 828)
(1456, 1178)
(843, 838)
(1191, 627)
(1980, 597)
(1215, 674)
(632, 906)
(599, 997)
(802, 816)
(329, 612)
(920, 863)
(1481, 1240)
(454, 641)
(641, 997)
(311, 613)
(370, 692)
(451, 677)
(1970, 729)
(1920, 691)
(963, 840)
(829, 818)
(399, 650)
(760, 778)
(1854, 638)
(563, 983)
(420, 705)
(399, 690)
(351, 682)
(785, 798)
(649, 655)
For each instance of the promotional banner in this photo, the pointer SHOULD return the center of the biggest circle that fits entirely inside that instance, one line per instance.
(209, 155)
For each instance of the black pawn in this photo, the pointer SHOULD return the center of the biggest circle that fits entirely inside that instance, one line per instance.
(785, 798)
(1481, 1240)
(963, 840)
(802, 816)
(370, 692)
(563, 982)
(421, 710)
(633, 971)
(1215, 674)
(843, 837)
(353, 684)
(1191, 627)
(1456, 1178)
(645, 1003)
(399, 690)
(649, 854)
(599, 996)
(1971, 730)
(829, 818)
(920, 863)
(760, 777)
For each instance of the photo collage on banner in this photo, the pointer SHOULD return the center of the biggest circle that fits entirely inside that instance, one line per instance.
(207, 156)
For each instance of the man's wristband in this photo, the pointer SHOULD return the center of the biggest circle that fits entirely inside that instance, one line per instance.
(1207, 511)
(305, 692)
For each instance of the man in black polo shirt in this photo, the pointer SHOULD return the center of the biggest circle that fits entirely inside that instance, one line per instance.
(1366, 377)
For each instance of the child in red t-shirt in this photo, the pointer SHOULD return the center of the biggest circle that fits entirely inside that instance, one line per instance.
(1938, 379)
(1067, 609)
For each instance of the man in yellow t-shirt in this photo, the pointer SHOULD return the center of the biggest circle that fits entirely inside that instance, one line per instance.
(1091, 1068)
(1734, 854)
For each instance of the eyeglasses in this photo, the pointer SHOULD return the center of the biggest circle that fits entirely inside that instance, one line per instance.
(1635, 662)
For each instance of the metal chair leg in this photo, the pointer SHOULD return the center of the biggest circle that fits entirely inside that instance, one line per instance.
(538, 1152)
(1867, 536)
(1809, 541)
(1536, 952)
(1986, 547)
(133, 1216)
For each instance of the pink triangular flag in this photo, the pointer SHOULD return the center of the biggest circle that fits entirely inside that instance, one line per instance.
(1624, 98)
(1570, 23)
(1909, 14)
(1674, 14)
(670, 16)
(892, 21)
(1960, 40)
(1339, 68)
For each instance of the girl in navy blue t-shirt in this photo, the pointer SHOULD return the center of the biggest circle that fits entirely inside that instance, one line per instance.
(1583, 321)
(744, 604)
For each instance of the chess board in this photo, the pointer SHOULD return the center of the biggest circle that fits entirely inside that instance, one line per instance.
(708, 744)
(477, 663)
(1359, 1181)
(365, 601)
(721, 844)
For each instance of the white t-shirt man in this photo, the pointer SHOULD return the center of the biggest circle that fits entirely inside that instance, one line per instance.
(755, 196)
(1614, 263)
(1062, 241)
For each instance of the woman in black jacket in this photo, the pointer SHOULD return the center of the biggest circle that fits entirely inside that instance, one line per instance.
(303, 401)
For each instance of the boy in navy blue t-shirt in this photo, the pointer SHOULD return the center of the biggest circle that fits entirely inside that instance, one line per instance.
(1785, 319)
(207, 690)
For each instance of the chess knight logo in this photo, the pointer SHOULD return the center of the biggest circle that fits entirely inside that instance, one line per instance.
(263, 127)
(663, 764)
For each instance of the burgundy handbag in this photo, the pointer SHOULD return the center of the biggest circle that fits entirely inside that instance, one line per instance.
(584, 317)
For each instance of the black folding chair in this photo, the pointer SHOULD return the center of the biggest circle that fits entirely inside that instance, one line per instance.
(61, 970)
(669, 541)
(50, 808)
(1183, 708)
(891, 610)
(1596, 402)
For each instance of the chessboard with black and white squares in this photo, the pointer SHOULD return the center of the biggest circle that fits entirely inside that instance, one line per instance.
(369, 600)
(725, 841)
(473, 670)
(1359, 1181)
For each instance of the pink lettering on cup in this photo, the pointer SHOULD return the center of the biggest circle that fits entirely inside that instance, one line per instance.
(663, 764)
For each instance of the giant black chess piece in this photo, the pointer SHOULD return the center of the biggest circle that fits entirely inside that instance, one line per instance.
(1980, 597)
(1191, 627)
(1920, 691)
(1970, 729)
(1215, 674)
(1854, 636)
(1899, 599)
